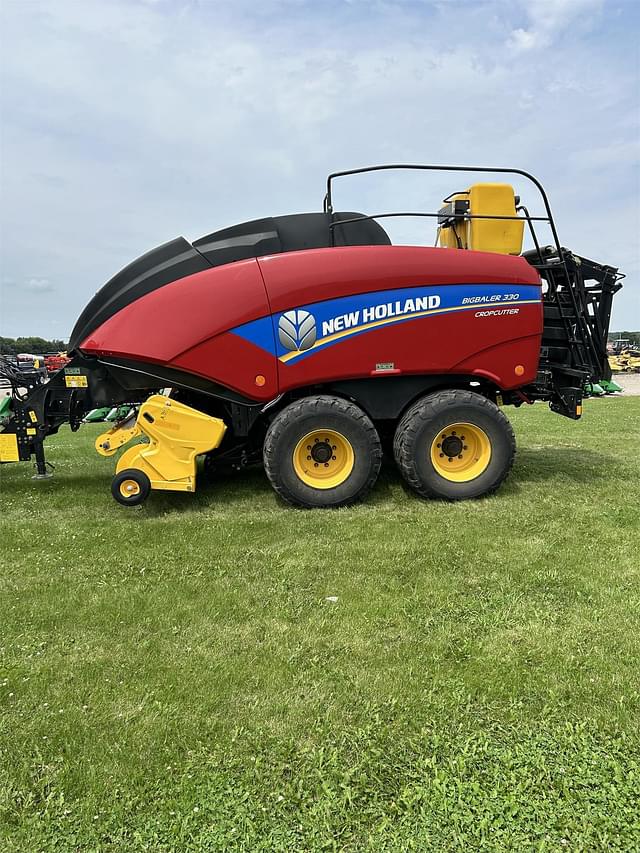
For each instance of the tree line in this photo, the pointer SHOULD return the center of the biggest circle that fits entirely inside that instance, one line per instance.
(32, 345)
(633, 337)
(40, 346)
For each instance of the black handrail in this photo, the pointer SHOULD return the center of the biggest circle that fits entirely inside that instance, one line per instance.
(586, 332)
(461, 216)
(328, 206)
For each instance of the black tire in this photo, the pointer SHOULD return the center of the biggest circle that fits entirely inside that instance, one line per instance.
(423, 423)
(320, 413)
(132, 475)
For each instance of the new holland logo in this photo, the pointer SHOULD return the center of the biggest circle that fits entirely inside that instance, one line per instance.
(297, 330)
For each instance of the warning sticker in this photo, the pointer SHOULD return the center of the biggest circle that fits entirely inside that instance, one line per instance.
(75, 381)
(9, 448)
(33, 416)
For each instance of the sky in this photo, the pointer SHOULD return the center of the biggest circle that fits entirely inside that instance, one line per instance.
(125, 123)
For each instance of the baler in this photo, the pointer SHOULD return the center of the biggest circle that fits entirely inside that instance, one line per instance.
(309, 341)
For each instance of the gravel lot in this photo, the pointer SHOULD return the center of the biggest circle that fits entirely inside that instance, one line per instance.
(629, 382)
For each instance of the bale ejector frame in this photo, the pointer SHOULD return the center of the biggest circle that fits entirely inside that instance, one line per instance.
(579, 292)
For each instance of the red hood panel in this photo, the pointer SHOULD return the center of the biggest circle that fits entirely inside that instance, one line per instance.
(299, 278)
(168, 321)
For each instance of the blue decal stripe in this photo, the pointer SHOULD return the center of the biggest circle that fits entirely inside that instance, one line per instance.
(357, 330)
(258, 332)
(347, 316)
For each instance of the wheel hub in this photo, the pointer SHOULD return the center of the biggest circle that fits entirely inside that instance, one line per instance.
(321, 451)
(128, 488)
(323, 459)
(461, 452)
(452, 446)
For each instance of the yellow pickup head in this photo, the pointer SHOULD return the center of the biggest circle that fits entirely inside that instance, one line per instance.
(176, 435)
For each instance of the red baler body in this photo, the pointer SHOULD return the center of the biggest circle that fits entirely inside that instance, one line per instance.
(377, 310)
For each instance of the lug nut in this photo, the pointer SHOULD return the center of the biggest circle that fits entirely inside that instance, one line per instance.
(439, 445)
(333, 457)
(315, 464)
(464, 447)
(460, 457)
(326, 464)
(309, 458)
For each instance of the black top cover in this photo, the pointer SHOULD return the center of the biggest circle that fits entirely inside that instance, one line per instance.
(168, 262)
(288, 234)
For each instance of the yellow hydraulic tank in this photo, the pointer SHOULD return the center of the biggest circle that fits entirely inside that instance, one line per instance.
(482, 235)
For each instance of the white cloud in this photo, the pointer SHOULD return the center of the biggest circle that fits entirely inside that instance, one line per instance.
(522, 40)
(549, 19)
(38, 285)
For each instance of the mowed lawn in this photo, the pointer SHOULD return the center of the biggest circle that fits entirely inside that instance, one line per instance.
(219, 671)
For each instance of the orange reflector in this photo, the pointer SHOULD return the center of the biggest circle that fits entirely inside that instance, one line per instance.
(519, 370)
(578, 410)
(260, 380)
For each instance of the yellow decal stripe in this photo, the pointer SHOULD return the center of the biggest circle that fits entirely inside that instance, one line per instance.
(376, 323)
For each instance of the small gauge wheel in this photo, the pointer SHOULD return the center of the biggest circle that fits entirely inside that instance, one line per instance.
(130, 487)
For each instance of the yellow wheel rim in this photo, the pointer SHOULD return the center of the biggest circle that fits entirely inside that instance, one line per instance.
(323, 459)
(129, 488)
(461, 452)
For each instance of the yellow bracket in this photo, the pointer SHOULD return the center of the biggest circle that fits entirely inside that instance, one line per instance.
(110, 442)
(177, 435)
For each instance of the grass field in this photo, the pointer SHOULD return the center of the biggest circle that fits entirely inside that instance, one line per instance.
(221, 672)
